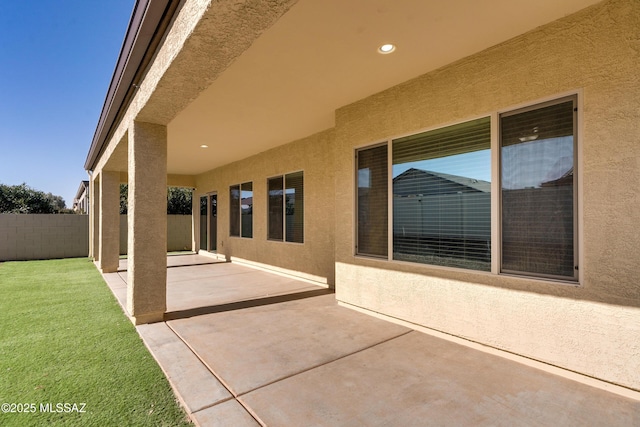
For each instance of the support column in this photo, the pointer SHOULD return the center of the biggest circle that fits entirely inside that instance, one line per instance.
(89, 212)
(147, 222)
(95, 218)
(109, 221)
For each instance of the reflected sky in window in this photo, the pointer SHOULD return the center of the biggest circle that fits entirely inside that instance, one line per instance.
(476, 165)
(530, 164)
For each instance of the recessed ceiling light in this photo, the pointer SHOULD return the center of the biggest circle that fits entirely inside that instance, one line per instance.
(386, 48)
(204, 146)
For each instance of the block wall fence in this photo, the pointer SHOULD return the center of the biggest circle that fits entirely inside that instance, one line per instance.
(178, 233)
(52, 236)
(43, 236)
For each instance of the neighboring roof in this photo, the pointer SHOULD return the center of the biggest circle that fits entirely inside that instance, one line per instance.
(84, 185)
(148, 23)
(566, 179)
(447, 183)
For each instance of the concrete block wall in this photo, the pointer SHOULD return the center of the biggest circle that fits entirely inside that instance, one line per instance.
(179, 230)
(43, 236)
(178, 233)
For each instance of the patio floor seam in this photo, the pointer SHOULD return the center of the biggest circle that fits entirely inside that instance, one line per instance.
(217, 377)
(195, 353)
(548, 367)
(325, 363)
(237, 396)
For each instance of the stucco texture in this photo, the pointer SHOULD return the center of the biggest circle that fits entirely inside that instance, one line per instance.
(313, 156)
(147, 243)
(593, 328)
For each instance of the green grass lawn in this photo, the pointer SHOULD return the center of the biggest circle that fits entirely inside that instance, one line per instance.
(64, 340)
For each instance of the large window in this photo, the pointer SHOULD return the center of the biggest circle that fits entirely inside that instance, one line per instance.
(286, 208)
(372, 201)
(538, 172)
(241, 210)
(442, 196)
(441, 199)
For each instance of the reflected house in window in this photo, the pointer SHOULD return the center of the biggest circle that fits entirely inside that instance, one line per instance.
(247, 205)
(564, 180)
(442, 219)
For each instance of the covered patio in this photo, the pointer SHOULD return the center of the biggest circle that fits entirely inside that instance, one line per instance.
(247, 347)
(289, 122)
(197, 284)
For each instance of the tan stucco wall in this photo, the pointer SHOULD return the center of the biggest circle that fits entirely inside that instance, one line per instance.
(593, 328)
(314, 156)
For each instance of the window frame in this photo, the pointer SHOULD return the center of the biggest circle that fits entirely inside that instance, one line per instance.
(389, 255)
(575, 98)
(496, 215)
(239, 187)
(483, 120)
(284, 209)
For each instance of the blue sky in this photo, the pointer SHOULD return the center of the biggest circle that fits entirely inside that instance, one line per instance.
(56, 62)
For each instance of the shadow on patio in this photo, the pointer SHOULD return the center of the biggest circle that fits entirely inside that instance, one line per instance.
(245, 347)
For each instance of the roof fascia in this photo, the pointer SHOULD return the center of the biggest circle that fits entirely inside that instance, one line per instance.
(139, 45)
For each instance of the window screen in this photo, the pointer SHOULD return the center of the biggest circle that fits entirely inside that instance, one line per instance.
(294, 207)
(234, 210)
(538, 190)
(372, 193)
(442, 196)
(241, 210)
(246, 206)
(276, 207)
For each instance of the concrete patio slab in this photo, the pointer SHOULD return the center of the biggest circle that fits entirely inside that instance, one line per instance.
(196, 386)
(247, 347)
(418, 380)
(178, 260)
(118, 286)
(213, 283)
(227, 414)
(256, 346)
(191, 272)
(227, 288)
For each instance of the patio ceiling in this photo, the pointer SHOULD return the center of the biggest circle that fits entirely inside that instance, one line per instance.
(322, 55)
